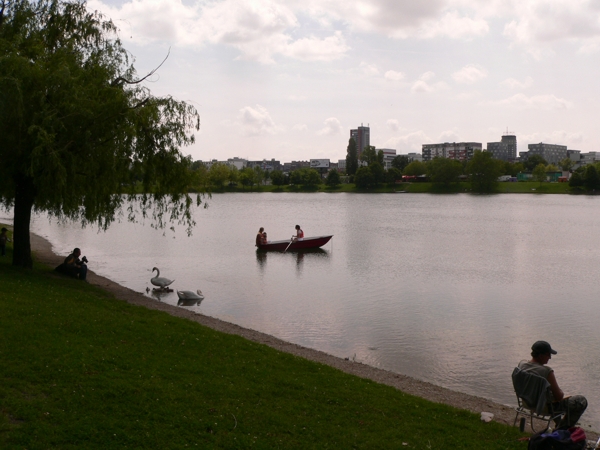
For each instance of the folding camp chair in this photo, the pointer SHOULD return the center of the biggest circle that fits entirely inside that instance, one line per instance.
(532, 394)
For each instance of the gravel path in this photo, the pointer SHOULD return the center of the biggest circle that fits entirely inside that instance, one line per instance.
(503, 414)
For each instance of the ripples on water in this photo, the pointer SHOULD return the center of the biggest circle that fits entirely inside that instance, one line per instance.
(448, 289)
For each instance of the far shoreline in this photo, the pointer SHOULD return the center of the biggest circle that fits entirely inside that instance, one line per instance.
(43, 252)
(521, 187)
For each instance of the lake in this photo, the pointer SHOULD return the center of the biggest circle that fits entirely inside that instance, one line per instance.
(450, 289)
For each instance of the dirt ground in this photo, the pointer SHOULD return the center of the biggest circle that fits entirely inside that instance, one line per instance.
(503, 414)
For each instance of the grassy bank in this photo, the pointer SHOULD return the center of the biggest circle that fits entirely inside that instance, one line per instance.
(523, 187)
(81, 369)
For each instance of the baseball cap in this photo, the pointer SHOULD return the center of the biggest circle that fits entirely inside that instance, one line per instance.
(543, 347)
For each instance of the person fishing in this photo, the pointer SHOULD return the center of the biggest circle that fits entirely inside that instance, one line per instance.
(574, 405)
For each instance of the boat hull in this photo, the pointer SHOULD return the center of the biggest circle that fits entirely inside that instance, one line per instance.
(304, 244)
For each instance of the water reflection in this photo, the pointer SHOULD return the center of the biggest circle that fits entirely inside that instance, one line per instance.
(261, 259)
(159, 294)
(188, 302)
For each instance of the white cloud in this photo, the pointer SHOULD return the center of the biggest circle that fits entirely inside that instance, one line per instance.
(393, 124)
(454, 26)
(547, 101)
(314, 49)
(332, 127)
(297, 98)
(300, 127)
(411, 142)
(513, 83)
(257, 121)
(392, 75)
(260, 29)
(560, 137)
(423, 85)
(470, 74)
(401, 19)
(369, 69)
(449, 136)
(538, 24)
(427, 76)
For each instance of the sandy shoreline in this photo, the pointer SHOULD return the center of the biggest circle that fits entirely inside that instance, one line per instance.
(503, 414)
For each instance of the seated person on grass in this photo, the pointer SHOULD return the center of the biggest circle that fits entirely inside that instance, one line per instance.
(574, 405)
(73, 266)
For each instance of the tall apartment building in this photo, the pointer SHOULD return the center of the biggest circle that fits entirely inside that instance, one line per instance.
(362, 137)
(506, 149)
(552, 153)
(461, 151)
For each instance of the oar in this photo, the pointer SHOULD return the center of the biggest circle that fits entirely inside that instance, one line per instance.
(291, 240)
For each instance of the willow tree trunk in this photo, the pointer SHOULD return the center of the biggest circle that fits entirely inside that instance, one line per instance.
(24, 198)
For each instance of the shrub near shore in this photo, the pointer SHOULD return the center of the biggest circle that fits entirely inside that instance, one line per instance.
(84, 370)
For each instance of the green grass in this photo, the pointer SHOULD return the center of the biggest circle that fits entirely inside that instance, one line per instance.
(82, 370)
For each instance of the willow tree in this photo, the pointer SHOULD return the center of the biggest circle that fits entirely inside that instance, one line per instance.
(80, 134)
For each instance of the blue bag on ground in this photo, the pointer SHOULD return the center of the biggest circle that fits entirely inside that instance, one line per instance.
(571, 439)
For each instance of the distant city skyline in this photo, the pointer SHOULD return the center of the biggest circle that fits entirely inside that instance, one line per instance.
(289, 79)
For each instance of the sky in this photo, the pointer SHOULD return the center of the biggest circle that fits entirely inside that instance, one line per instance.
(288, 79)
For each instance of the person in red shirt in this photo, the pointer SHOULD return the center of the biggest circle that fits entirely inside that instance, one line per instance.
(299, 233)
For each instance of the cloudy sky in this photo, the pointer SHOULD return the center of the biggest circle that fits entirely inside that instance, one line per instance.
(288, 79)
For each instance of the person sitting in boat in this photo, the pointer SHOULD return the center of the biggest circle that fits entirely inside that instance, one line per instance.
(260, 236)
(264, 238)
(299, 234)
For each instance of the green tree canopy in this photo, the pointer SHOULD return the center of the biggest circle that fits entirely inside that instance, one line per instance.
(247, 177)
(512, 169)
(305, 177)
(539, 173)
(277, 178)
(484, 171)
(400, 162)
(234, 174)
(415, 168)
(378, 172)
(533, 161)
(370, 155)
(576, 180)
(444, 170)
(218, 174)
(393, 174)
(591, 179)
(364, 178)
(351, 157)
(79, 127)
(566, 164)
(259, 175)
(333, 178)
(311, 177)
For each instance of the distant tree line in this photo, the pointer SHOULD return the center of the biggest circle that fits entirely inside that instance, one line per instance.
(368, 172)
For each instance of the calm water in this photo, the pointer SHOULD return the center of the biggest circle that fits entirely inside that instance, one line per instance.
(448, 289)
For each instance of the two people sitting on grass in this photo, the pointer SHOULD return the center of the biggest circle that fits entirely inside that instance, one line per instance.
(73, 266)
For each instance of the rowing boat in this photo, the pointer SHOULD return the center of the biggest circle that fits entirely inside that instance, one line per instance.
(302, 244)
